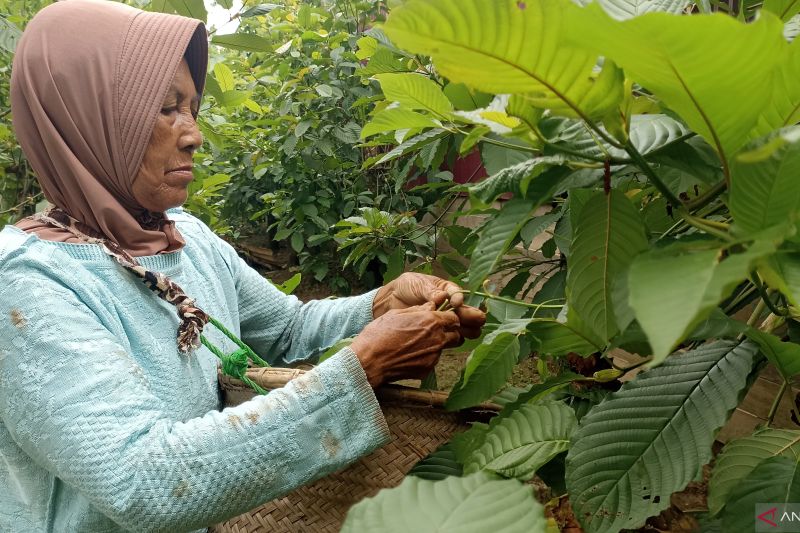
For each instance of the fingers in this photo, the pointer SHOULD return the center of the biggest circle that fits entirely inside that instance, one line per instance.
(453, 339)
(470, 317)
(471, 333)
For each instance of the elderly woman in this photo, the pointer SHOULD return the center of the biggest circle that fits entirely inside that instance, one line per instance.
(109, 405)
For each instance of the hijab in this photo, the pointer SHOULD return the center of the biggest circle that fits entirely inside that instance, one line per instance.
(88, 80)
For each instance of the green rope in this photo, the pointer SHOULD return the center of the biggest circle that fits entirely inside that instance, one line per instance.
(236, 363)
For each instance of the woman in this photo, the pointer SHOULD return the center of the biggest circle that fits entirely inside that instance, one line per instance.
(109, 405)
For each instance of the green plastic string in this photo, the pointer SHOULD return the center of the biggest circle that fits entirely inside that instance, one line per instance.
(235, 364)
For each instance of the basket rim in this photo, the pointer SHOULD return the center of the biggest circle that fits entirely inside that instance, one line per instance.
(271, 378)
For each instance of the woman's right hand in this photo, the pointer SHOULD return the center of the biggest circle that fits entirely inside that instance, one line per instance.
(405, 343)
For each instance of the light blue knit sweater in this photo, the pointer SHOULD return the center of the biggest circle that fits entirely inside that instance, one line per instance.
(104, 426)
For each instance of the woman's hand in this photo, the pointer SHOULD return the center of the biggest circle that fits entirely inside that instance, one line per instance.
(405, 343)
(412, 289)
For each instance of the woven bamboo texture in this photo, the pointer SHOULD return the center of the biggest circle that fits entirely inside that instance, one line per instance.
(418, 425)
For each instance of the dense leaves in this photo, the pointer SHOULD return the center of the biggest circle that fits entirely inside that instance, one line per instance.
(664, 421)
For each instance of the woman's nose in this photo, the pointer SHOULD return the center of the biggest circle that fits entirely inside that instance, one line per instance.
(191, 137)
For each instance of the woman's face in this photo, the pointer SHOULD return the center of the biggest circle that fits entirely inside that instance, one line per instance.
(163, 179)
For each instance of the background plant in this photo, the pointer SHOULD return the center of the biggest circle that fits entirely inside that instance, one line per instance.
(650, 151)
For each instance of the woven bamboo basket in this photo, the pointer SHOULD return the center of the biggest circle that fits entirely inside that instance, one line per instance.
(418, 425)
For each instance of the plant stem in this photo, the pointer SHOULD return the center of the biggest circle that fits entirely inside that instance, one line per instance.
(510, 146)
(707, 197)
(511, 300)
(701, 224)
(651, 174)
(776, 402)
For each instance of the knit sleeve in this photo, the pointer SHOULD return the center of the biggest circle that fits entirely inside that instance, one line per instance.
(281, 328)
(77, 403)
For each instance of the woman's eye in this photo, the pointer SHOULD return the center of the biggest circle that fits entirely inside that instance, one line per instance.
(168, 110)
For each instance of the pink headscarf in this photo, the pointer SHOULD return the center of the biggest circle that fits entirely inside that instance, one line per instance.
(87, 84)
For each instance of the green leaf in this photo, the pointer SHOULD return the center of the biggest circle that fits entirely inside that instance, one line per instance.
(764, 190)
(525, 440)
(440, 464)
(488, 368)
(784, 9)
(381, 62)
(514, 178)
(539, 391)
(476, 134)
(396, 264)
(261, 9)
(415, 91)
(246, 42)
(775, 481)
(396, 119)
(784, 355)
(496, 158)
(471, 504)
(341, 344)
(718, 85)
(227, 4)
(288, 286)
(407, 146)
(224, 77)
(195, 9)
(609, 234)
(652, 437)
(625, 9)
(496, 237)
(297, 241)
(488, 45)
(672, 293)
(557, 338)
(535, 226)
(367, 46)
(741, 456)
(9, 35)
(782, 272)
(233, 98)
(783, 107)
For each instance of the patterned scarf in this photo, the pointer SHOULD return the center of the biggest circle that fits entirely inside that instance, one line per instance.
(192, 318)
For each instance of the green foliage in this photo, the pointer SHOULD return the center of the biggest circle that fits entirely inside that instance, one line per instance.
(618, 456)
(471, 504)
(524, 440)
(741, 456)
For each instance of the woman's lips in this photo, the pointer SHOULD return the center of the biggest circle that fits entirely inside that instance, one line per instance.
(181, 175)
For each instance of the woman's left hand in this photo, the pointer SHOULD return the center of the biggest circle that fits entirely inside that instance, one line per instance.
(412, 289)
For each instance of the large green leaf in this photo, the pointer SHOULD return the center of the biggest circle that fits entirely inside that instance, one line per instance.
(647, 133)
(496, 237)
(488, 368)
(671, 293)
(508, 46)
(784, 9)
(774, 481)
(764, 189)
(784, 355)
(195, 9)
(246, 42)
(608, 235)
(525, 440)
(717, 84)
(741, 456)
(625, 9)
(783, 107)
(396, 119)
(652, 437)
(557, 338)
(471, 504)
(415, 91)
(440, 464)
